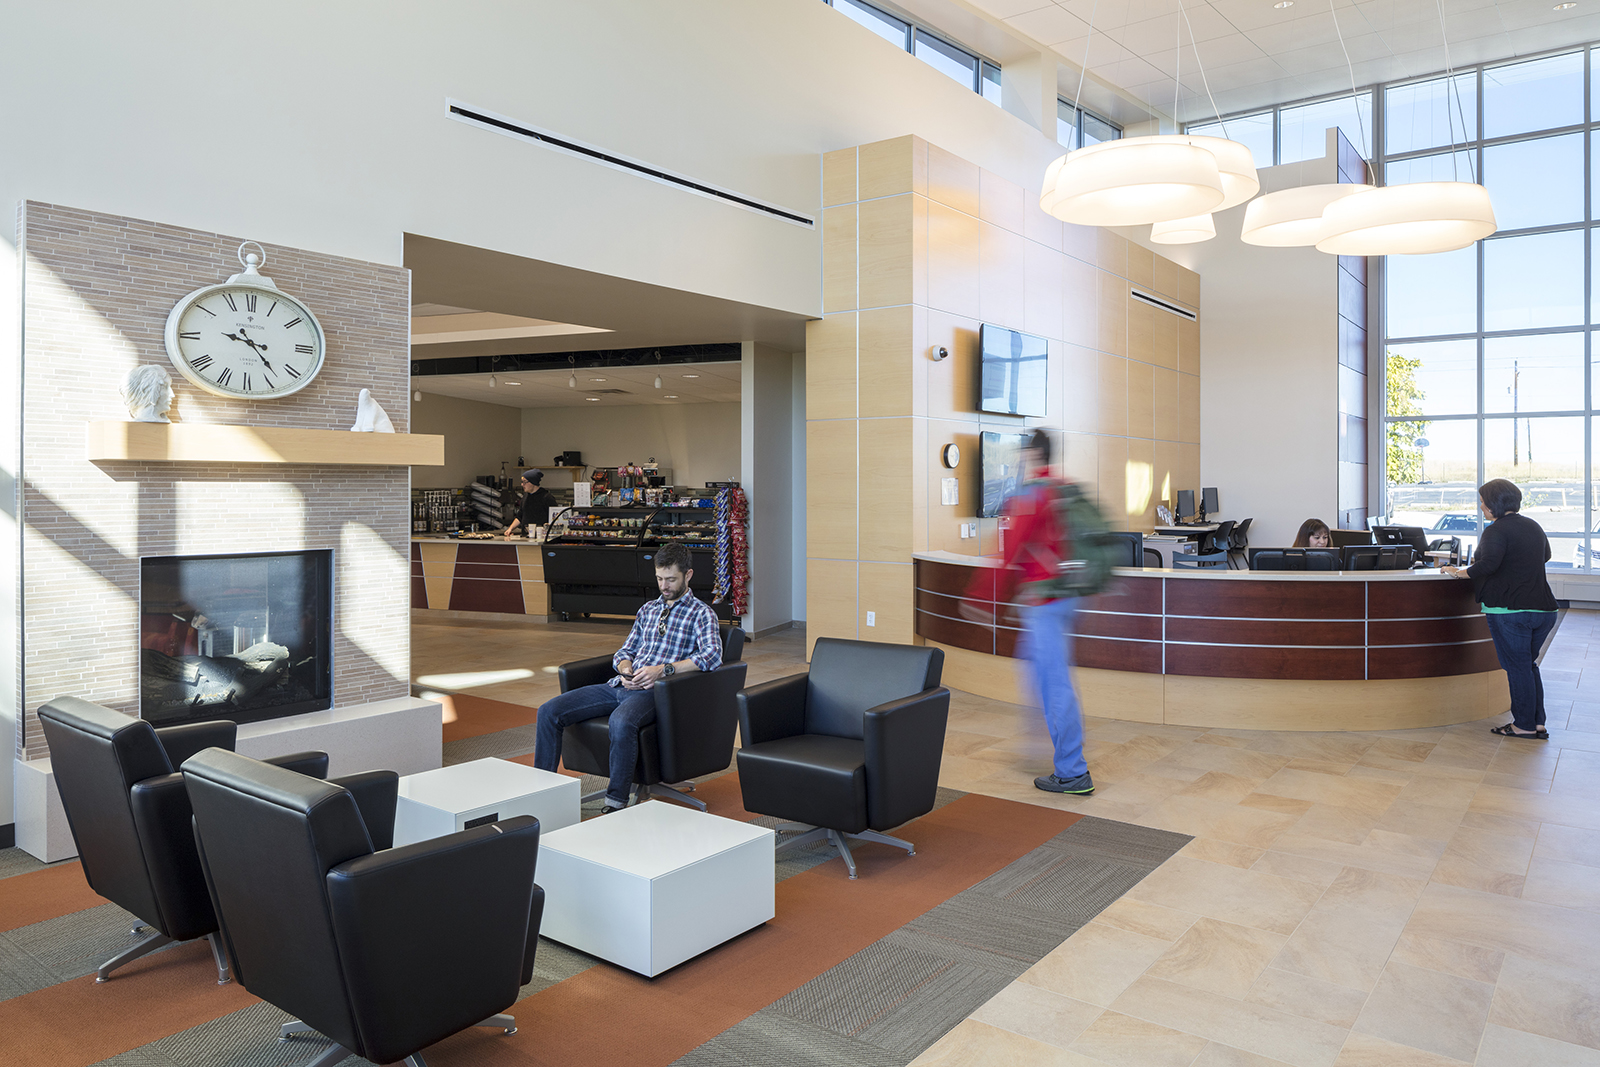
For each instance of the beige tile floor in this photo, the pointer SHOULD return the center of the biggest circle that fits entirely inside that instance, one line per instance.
(1418, 897)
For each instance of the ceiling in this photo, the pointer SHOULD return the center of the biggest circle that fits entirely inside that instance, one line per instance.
(712, 383)
(514, 305)
(1255, 54)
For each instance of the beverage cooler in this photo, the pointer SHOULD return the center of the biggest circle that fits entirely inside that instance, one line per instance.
(600, 560)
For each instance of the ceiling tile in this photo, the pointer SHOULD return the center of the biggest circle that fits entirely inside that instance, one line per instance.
(1223, 52)
(1049, 25)
(1004, 9)
(1101, 50)
(1157, 33)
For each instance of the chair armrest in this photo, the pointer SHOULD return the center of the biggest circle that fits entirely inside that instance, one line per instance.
(377, 793)
(181, 742)
(696, 716)
(772, 710)
(904, 745)
(310, 764)
(582, 672)
(163, 819)
(449, 921)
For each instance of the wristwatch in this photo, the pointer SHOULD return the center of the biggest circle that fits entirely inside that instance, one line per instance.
(669, 671)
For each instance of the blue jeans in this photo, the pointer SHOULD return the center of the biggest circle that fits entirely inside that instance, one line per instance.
(1518, 636)
(630, 711)
(1047, 646)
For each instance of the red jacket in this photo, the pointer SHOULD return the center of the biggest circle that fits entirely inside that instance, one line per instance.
(1032, 544)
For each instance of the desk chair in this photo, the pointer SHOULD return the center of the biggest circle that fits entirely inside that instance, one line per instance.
(1451, 545)
(697, 715)
(1213, 549)
(1239, 540)
(129, 816)
(1152, 558)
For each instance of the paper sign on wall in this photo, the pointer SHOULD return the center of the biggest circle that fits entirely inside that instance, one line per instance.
(580, 494)
(949, 490)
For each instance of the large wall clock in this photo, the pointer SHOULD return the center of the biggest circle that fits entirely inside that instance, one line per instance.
(245, 337)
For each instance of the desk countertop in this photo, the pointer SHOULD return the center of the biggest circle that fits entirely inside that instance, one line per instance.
(1216, 574)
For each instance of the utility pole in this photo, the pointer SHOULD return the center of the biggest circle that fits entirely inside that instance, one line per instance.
(1516, 439)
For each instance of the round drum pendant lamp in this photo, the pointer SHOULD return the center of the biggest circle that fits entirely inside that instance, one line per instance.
(1291, 218)
(1408, 220)
(1133, 181)
(1188, 231)
(1234, 162)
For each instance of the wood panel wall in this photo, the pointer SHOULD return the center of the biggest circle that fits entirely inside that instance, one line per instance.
(920, 248)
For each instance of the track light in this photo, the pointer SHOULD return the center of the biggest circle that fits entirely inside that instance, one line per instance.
(492, 382)
(416, 397)
(572, 380)
(658, 381)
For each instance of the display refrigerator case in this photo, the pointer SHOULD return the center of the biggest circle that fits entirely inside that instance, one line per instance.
(602, 560)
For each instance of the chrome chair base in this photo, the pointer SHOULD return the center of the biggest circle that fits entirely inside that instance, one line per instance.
(334, 1053)
(143, 948)
(839, 842)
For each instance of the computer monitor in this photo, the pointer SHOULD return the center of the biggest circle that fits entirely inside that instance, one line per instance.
(1377, 557)
(1208, 502)
(1185, 504)
(1414, 536)
(1295, 559)
(1340, 538)
(1132, 555)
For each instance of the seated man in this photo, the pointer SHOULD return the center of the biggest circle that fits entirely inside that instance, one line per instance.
(671, 634)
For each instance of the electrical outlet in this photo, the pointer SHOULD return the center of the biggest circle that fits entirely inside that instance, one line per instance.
(963, 531)
(872, 618)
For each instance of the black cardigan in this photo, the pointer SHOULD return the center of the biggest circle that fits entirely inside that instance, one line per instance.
(1508, 571)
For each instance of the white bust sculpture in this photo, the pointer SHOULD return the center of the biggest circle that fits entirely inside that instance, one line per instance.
(147, 390)
(370, 416)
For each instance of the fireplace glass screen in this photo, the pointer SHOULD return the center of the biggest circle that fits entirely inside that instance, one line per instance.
(244, 637)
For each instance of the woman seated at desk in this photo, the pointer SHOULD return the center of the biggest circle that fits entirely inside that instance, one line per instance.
(1313, 534)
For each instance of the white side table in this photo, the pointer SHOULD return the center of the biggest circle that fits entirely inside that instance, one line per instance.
(653, 885)
(439, 802)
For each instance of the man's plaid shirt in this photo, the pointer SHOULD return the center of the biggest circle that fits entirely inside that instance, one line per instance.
(691, 633)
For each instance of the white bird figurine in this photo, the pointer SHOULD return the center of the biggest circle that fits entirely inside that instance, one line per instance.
(370, 416)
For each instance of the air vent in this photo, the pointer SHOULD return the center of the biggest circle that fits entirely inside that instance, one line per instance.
(1157, 302)
(500, 124)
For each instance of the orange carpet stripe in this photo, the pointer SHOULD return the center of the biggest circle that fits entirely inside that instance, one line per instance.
(606, 1015)
(31, 898)
(78, 1022)
(470, 716)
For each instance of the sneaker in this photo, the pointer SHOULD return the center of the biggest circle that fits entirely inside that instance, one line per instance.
(1082, 785)
(610, 807)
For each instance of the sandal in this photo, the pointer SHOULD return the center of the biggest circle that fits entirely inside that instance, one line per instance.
(1508, 730)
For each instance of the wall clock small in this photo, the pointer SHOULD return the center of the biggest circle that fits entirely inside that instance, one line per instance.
(950, 455)
(245, 338)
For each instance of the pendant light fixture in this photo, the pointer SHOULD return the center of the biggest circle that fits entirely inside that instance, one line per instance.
(1293, 218)
(1183, 231)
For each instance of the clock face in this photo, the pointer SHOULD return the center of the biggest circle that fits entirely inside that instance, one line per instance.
(245, 341)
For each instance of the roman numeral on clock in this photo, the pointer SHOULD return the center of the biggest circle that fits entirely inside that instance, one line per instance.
(201, 362)
(231, 305)
(208, 311)
(291, 371)
(190, 335)
(249, 301)
(226, 376)
(304, 350)
(293, 322)
(246, 385)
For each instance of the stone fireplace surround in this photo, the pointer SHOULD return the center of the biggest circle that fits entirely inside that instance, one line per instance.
(97, 289)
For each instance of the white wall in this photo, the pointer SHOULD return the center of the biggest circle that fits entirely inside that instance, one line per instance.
(699, 442)
(767, 439)
(797, 536)
(1269, 379)
(478, 438)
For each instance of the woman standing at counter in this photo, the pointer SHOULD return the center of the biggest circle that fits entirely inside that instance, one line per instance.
(1509, 580)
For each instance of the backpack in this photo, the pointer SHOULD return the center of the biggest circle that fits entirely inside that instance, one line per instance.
(1083, 558)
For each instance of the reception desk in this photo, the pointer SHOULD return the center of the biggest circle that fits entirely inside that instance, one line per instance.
(1212, 647)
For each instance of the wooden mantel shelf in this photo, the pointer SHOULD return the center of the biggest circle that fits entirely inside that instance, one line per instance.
(179, 442)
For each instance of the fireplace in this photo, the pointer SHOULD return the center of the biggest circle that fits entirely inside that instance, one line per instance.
(243, 637)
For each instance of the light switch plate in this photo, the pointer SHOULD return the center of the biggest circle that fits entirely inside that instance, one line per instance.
(949, 490)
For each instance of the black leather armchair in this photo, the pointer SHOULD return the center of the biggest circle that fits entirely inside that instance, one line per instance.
(852, 748)
(696, 717)
(129, 816)
(382, 952)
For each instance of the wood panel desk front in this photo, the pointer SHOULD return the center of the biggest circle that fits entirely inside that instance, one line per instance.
(1253, 650)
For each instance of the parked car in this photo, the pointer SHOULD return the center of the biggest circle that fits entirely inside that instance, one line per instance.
(1456, 522)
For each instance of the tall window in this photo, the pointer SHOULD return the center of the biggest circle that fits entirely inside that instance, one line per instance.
(973, 71)
(1488, 350)
(1077, 128)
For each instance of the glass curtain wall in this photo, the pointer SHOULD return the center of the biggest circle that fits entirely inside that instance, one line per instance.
(1488, 350)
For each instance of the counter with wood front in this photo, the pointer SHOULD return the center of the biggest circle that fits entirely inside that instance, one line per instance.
(496, 576)
(1283, 650)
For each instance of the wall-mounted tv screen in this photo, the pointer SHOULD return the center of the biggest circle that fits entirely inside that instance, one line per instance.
(1014, 372)
(1000, 456)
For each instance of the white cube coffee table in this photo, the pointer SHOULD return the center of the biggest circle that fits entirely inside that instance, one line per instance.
(653, 885)
(459, 797)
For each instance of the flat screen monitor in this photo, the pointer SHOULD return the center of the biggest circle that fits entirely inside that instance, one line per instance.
(1185, 504)
(1376, 557)
(1414, 536)
(1295, 559)
(1131, 547)
(1000, 456)
(1208, 501)
(1014, 372)
(1340, 538)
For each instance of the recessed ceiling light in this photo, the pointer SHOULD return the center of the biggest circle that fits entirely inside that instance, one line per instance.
(1563, 7)
(691, 375)
(672, 396)
(508, 381)
(1281, 4)
(593, 398)
(597, 379)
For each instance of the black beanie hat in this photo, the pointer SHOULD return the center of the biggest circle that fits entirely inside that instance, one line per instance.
(535, 476)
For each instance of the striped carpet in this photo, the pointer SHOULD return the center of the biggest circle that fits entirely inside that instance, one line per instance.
(866, 972)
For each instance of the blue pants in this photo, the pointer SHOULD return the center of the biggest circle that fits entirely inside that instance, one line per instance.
(1047, 646)
(1518, 637)
(630, 711)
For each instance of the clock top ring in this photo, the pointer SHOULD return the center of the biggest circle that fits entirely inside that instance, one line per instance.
(245, 338)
